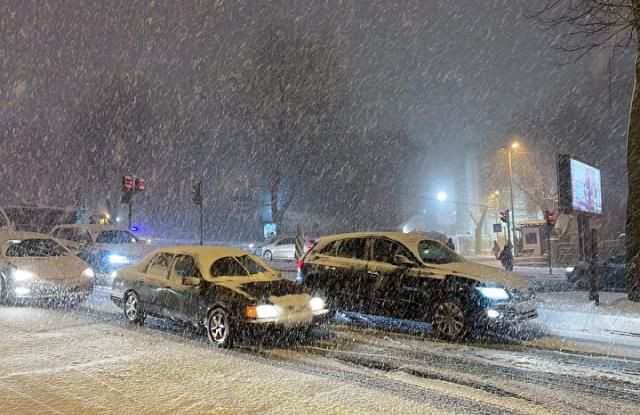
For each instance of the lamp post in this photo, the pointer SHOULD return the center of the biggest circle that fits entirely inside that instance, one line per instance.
(514, 146)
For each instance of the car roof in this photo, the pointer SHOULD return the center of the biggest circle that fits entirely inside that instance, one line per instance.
(207, 255)
(398, 236)
(91, 227)
(6, 235)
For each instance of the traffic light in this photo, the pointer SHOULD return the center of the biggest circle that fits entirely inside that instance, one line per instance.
(196, 189)
(127, 183)
(504, 216)
(140, 184)
(550, 218)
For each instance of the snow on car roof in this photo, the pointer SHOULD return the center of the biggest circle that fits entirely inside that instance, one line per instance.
(92, 227)
(399, 236)
(207, 255)
(7, 235)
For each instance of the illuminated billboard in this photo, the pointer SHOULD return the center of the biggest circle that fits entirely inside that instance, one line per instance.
(579, 187)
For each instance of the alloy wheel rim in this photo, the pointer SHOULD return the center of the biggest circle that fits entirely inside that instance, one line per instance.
(131, 307)
(218, 328)
(449, 319)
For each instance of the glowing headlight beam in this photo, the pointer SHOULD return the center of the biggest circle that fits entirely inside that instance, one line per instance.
(118, 259)
(316, 304)
(494, 293)
(268, 311)
(22, 275)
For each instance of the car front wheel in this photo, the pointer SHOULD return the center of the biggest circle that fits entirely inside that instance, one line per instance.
(450, 319)
(219, 328)
(133, 312)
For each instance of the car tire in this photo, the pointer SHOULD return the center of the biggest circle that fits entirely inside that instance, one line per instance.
(268, 255)
(450, 319)
(219, 329)
(132, 307)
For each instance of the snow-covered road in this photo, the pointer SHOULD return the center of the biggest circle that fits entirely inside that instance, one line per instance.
(88, 360)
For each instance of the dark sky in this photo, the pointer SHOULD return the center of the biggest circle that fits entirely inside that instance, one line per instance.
(452, 73)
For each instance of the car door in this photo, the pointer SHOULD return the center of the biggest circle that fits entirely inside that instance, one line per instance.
(348, 275)
(181, 297)
(156, 283)
(282, 249)
(393, 267)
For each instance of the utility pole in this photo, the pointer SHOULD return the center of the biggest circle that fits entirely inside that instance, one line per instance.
(130, 186)
(197, 199)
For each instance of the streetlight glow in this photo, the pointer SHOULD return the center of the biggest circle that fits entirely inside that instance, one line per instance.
(441, 196)
(515, 145)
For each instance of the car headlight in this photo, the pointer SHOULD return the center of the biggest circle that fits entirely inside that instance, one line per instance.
(118, 259)
(494, 293)
(316, 304)
(263, 311)
(88, 273)
(22, 275)
(570, 269)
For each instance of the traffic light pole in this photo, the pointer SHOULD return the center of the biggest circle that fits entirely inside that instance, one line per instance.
(201, 225)
(512, 220)
(130, 212)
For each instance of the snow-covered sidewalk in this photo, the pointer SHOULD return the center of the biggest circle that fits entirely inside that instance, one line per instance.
(570, 314)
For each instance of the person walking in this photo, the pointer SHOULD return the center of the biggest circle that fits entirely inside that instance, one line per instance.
(496, 249)
(450, 244)
(506, 257)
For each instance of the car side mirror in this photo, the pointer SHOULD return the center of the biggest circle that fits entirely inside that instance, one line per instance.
(191, 281)
(403, 261)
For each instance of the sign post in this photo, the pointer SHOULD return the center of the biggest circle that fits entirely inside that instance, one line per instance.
(130, 186)
(197, 199)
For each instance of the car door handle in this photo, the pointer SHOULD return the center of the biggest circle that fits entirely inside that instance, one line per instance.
(373, 273)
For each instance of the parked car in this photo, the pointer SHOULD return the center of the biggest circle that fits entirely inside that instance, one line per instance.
(410, 276)
(225, 290)
(36, 266)
(106, 248)
(611, 274)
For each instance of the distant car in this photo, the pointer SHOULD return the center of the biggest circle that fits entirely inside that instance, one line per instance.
(282, 248)
(611, 274)
(410, 276)
(106, 248)
(224, 290)
(36, 266)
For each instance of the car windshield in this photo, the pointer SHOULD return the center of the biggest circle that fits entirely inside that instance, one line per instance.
(116, 237)
(433, 252)
(34, 248)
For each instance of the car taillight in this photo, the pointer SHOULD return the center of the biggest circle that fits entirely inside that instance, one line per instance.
(300, 261)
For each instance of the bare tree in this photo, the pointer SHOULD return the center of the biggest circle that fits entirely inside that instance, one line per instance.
(591, 24)
(290, 98)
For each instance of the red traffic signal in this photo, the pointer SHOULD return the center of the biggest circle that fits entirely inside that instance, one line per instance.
(504, 216)
(140, 185)
(550, 218)
(127, 183)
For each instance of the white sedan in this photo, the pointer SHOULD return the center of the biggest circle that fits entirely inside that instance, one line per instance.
(36, 266)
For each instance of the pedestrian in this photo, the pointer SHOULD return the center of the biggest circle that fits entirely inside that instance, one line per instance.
(450, 244)
(506, 257)
(496, 249)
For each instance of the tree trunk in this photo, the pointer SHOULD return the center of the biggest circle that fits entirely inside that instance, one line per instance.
(479, 227)
(632, 238)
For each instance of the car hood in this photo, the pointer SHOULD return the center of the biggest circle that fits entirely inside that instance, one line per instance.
(486, 274)
(60, 270)
(265, 287)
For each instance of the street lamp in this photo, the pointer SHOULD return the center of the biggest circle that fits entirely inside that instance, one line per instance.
(441, 196)
(514, 146)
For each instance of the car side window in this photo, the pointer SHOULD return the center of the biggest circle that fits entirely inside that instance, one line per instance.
(352, 248)
(329, 249)
(385, 250)
(287, 241)
(252, 266)
(228, 267)
(185, 266)
(160, 265)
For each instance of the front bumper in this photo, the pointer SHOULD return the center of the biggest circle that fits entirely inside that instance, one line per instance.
(510, 313)
(34, 290)
(294, 321)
